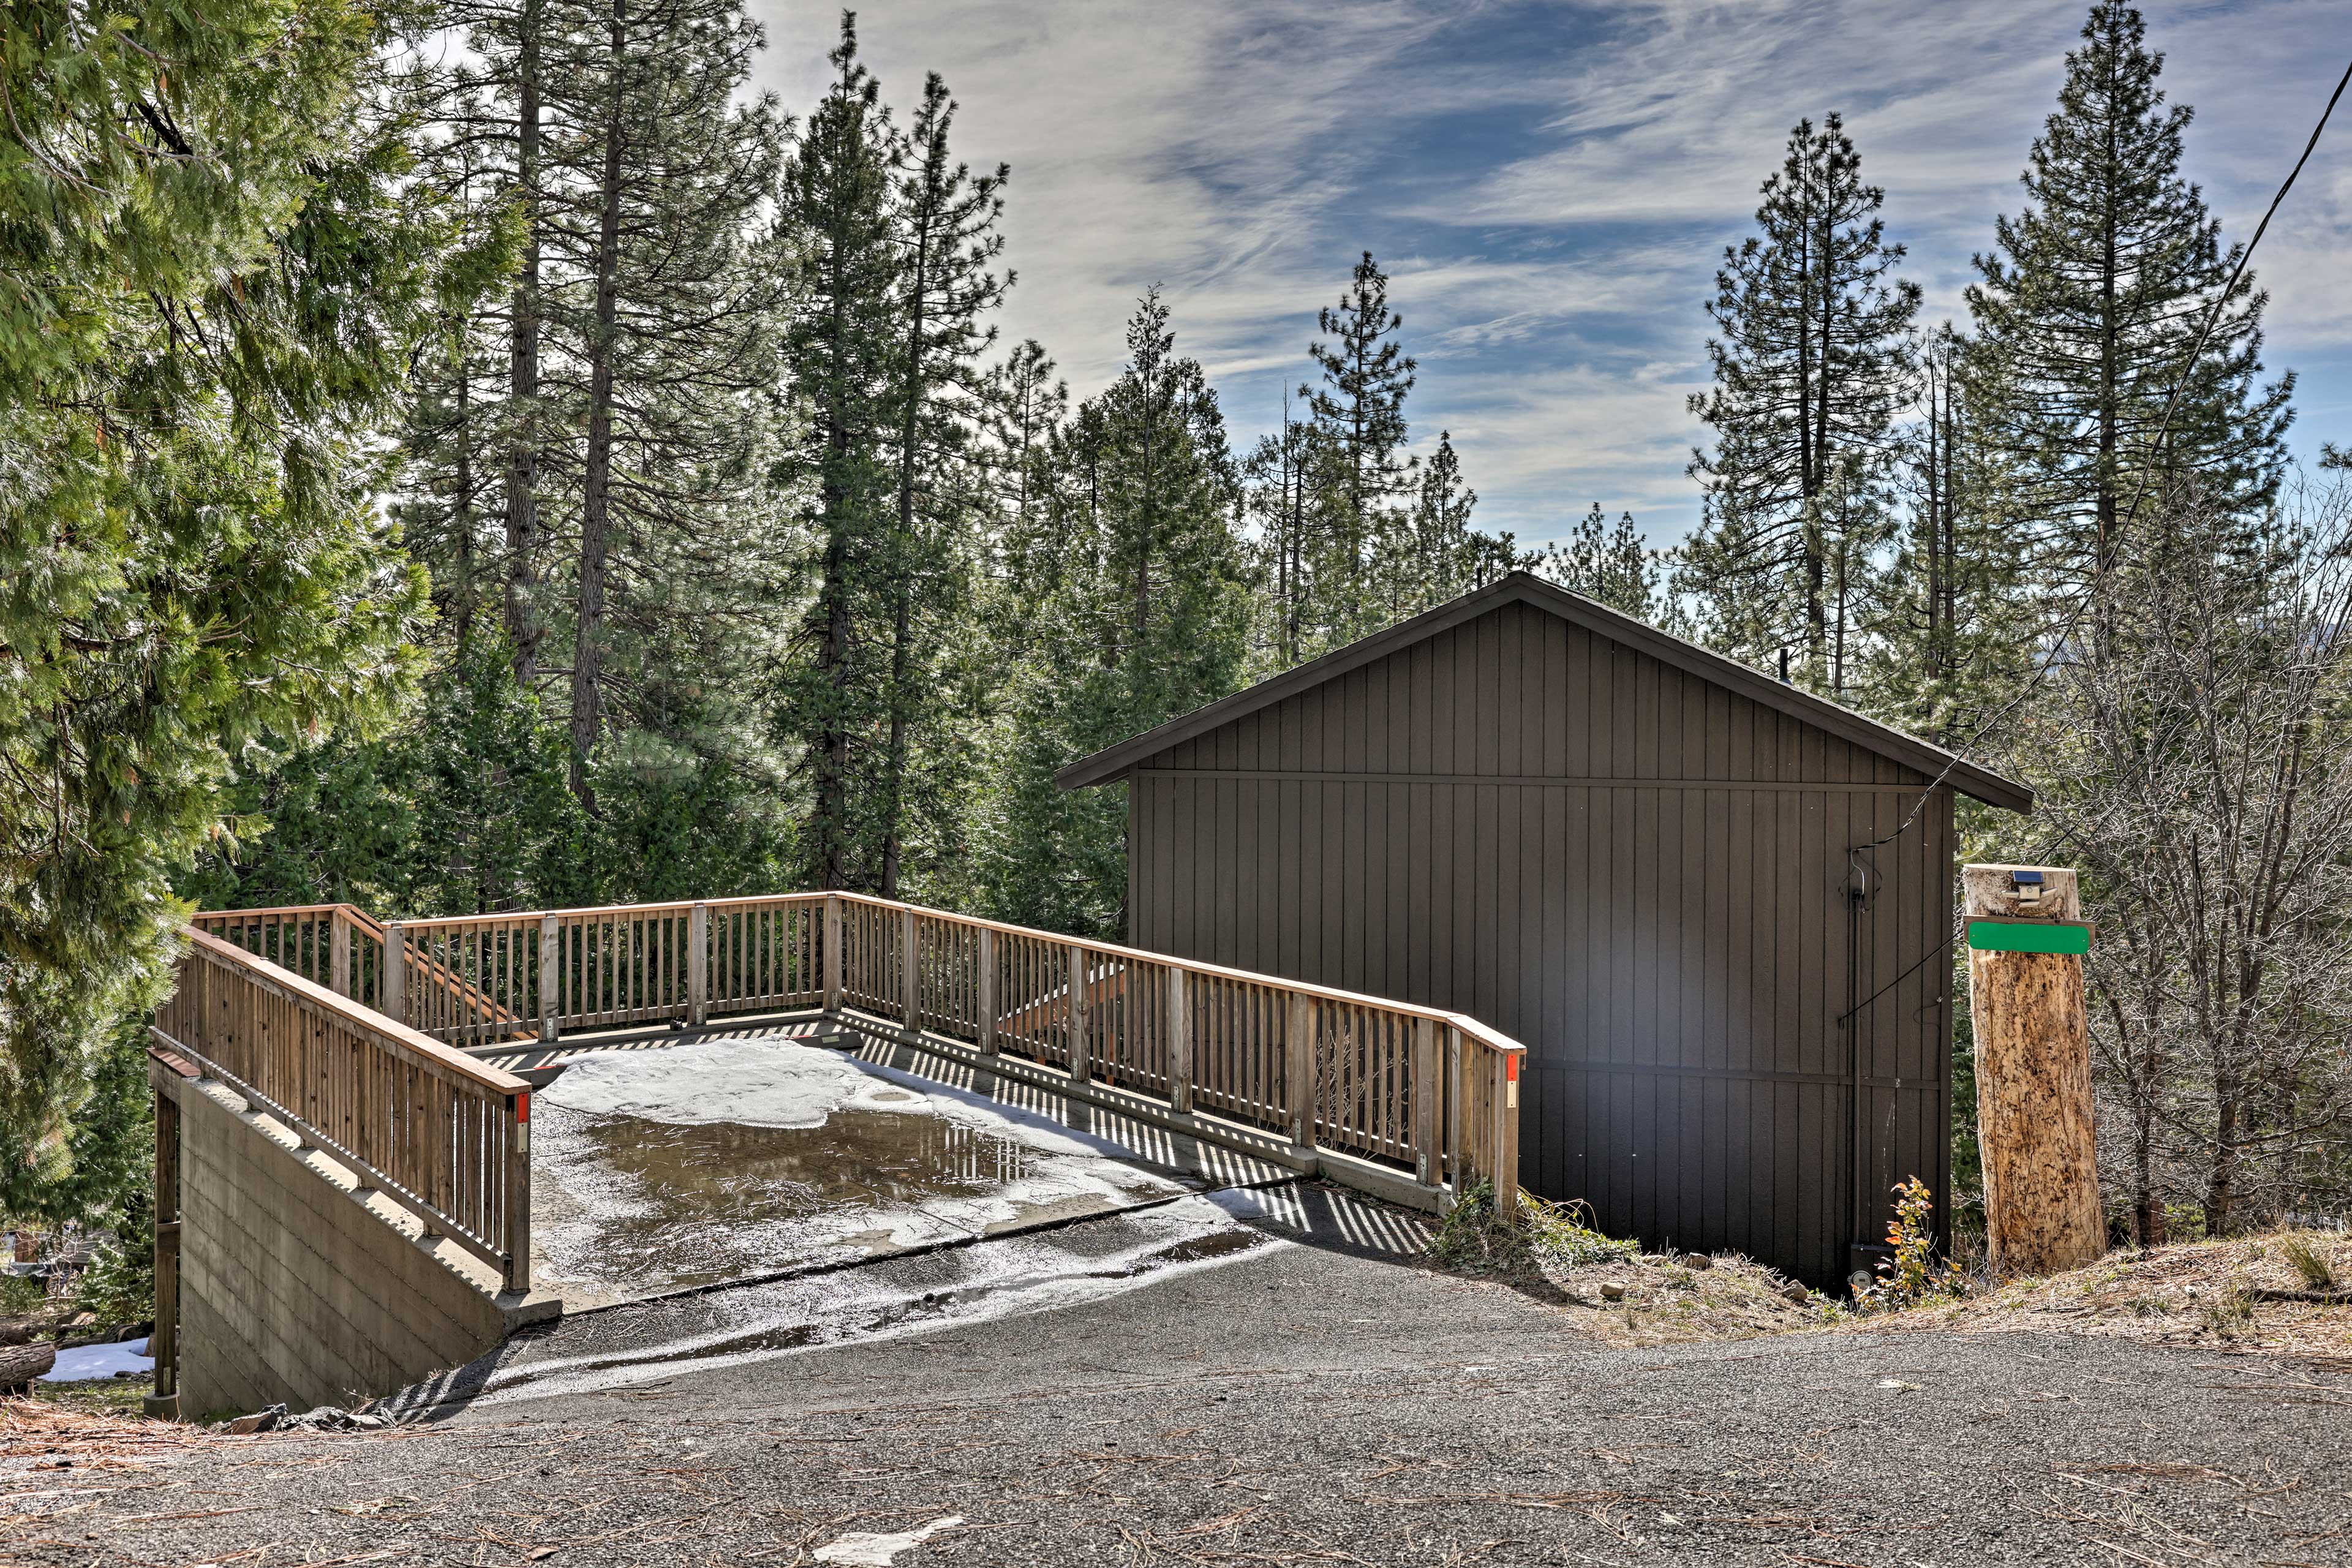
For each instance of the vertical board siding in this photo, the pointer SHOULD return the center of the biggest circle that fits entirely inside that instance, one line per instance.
(1665, 928)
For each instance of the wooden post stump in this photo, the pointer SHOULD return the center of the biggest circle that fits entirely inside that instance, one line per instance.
(2033, 1083)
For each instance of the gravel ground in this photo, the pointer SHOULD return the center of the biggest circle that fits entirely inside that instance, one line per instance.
(1307, 1399)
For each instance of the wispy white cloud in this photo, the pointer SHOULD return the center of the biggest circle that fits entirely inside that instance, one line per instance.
(1550, 185)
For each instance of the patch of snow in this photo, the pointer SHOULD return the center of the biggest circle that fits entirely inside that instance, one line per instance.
(863, 1550)
(100, 1361)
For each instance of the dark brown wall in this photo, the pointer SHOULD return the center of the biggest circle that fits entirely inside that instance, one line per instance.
(1635, 872)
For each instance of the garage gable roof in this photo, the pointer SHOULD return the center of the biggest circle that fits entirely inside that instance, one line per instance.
(1520, 587)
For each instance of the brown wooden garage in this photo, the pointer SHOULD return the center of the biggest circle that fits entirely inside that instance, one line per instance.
(1715, 908)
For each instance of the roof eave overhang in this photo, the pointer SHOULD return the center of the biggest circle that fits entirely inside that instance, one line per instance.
(1943, 767)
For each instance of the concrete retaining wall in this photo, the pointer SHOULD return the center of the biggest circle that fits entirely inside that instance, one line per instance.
(294, 1286)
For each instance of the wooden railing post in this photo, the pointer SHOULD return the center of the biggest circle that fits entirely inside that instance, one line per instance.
(984, 993)
(1082, 1067)
(395, 1005)
(698, 965)
(832, 952)
(1428, 1166)
(339, 962)
(551, 977)
(164, 1343)
(1179, 1041)
(1504, 1091)
(1298, 1068)
(1457, 1100)
(518, 1195)
(910, 975)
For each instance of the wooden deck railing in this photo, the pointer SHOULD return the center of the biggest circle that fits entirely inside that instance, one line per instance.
(1431, 1092)
(436, 1131)
(343, 948)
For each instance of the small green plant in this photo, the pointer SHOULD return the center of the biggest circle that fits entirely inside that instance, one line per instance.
(1564, 1233)
(1913, 1275)
(2317, 1270)
(1473, 1239)
(2230, 1314)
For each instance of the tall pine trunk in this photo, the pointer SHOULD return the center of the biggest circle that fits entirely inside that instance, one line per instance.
(893, 783)
(522, 364)
(461, 499)
(830, 822)
(597, 488)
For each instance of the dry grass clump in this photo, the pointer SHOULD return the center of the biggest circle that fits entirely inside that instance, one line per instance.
(2280, 1293)
(1608, 1287)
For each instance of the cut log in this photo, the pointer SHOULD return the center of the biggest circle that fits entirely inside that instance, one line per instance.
(20, 1365)
(2033, 1084)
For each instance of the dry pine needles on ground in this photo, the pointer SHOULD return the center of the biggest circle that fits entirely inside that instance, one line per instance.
(2287, 1292)
(1610, 1289)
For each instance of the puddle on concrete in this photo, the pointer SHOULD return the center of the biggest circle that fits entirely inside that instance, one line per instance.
(645, 1182)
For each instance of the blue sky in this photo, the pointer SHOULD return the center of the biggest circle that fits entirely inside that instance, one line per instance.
(1551, 186)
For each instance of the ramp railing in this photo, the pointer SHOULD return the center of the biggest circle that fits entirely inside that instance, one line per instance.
(436, 1131)
(1428, 1092)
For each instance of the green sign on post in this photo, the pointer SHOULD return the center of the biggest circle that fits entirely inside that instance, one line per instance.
(2029, 936)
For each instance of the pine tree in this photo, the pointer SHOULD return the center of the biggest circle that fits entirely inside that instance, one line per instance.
(1952, 632)
(1438, 555)
(487, 120)
(2087, 308)
(218, 271)
(1024, 408)
(1142, 614)
(1612, 565)
(1812, 364)
(842, 344)
(947, 219)
(664, 321)
(1359, 416)
(1275, 478)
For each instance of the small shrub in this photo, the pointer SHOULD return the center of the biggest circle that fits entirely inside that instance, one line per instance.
(1562, 1233)
(2230, 1314)
(1913, 1275)
(2317, 1271)
(1473, 1239)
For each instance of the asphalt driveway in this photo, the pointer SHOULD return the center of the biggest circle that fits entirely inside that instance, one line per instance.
(1303, 1395)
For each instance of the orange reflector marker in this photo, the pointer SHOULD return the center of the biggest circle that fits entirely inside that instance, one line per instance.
(522, 1105)
(1511, 1081)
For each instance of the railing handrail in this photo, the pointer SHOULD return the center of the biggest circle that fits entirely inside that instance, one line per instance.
(397, 1037)
(352, 911)
(1493, 1039)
